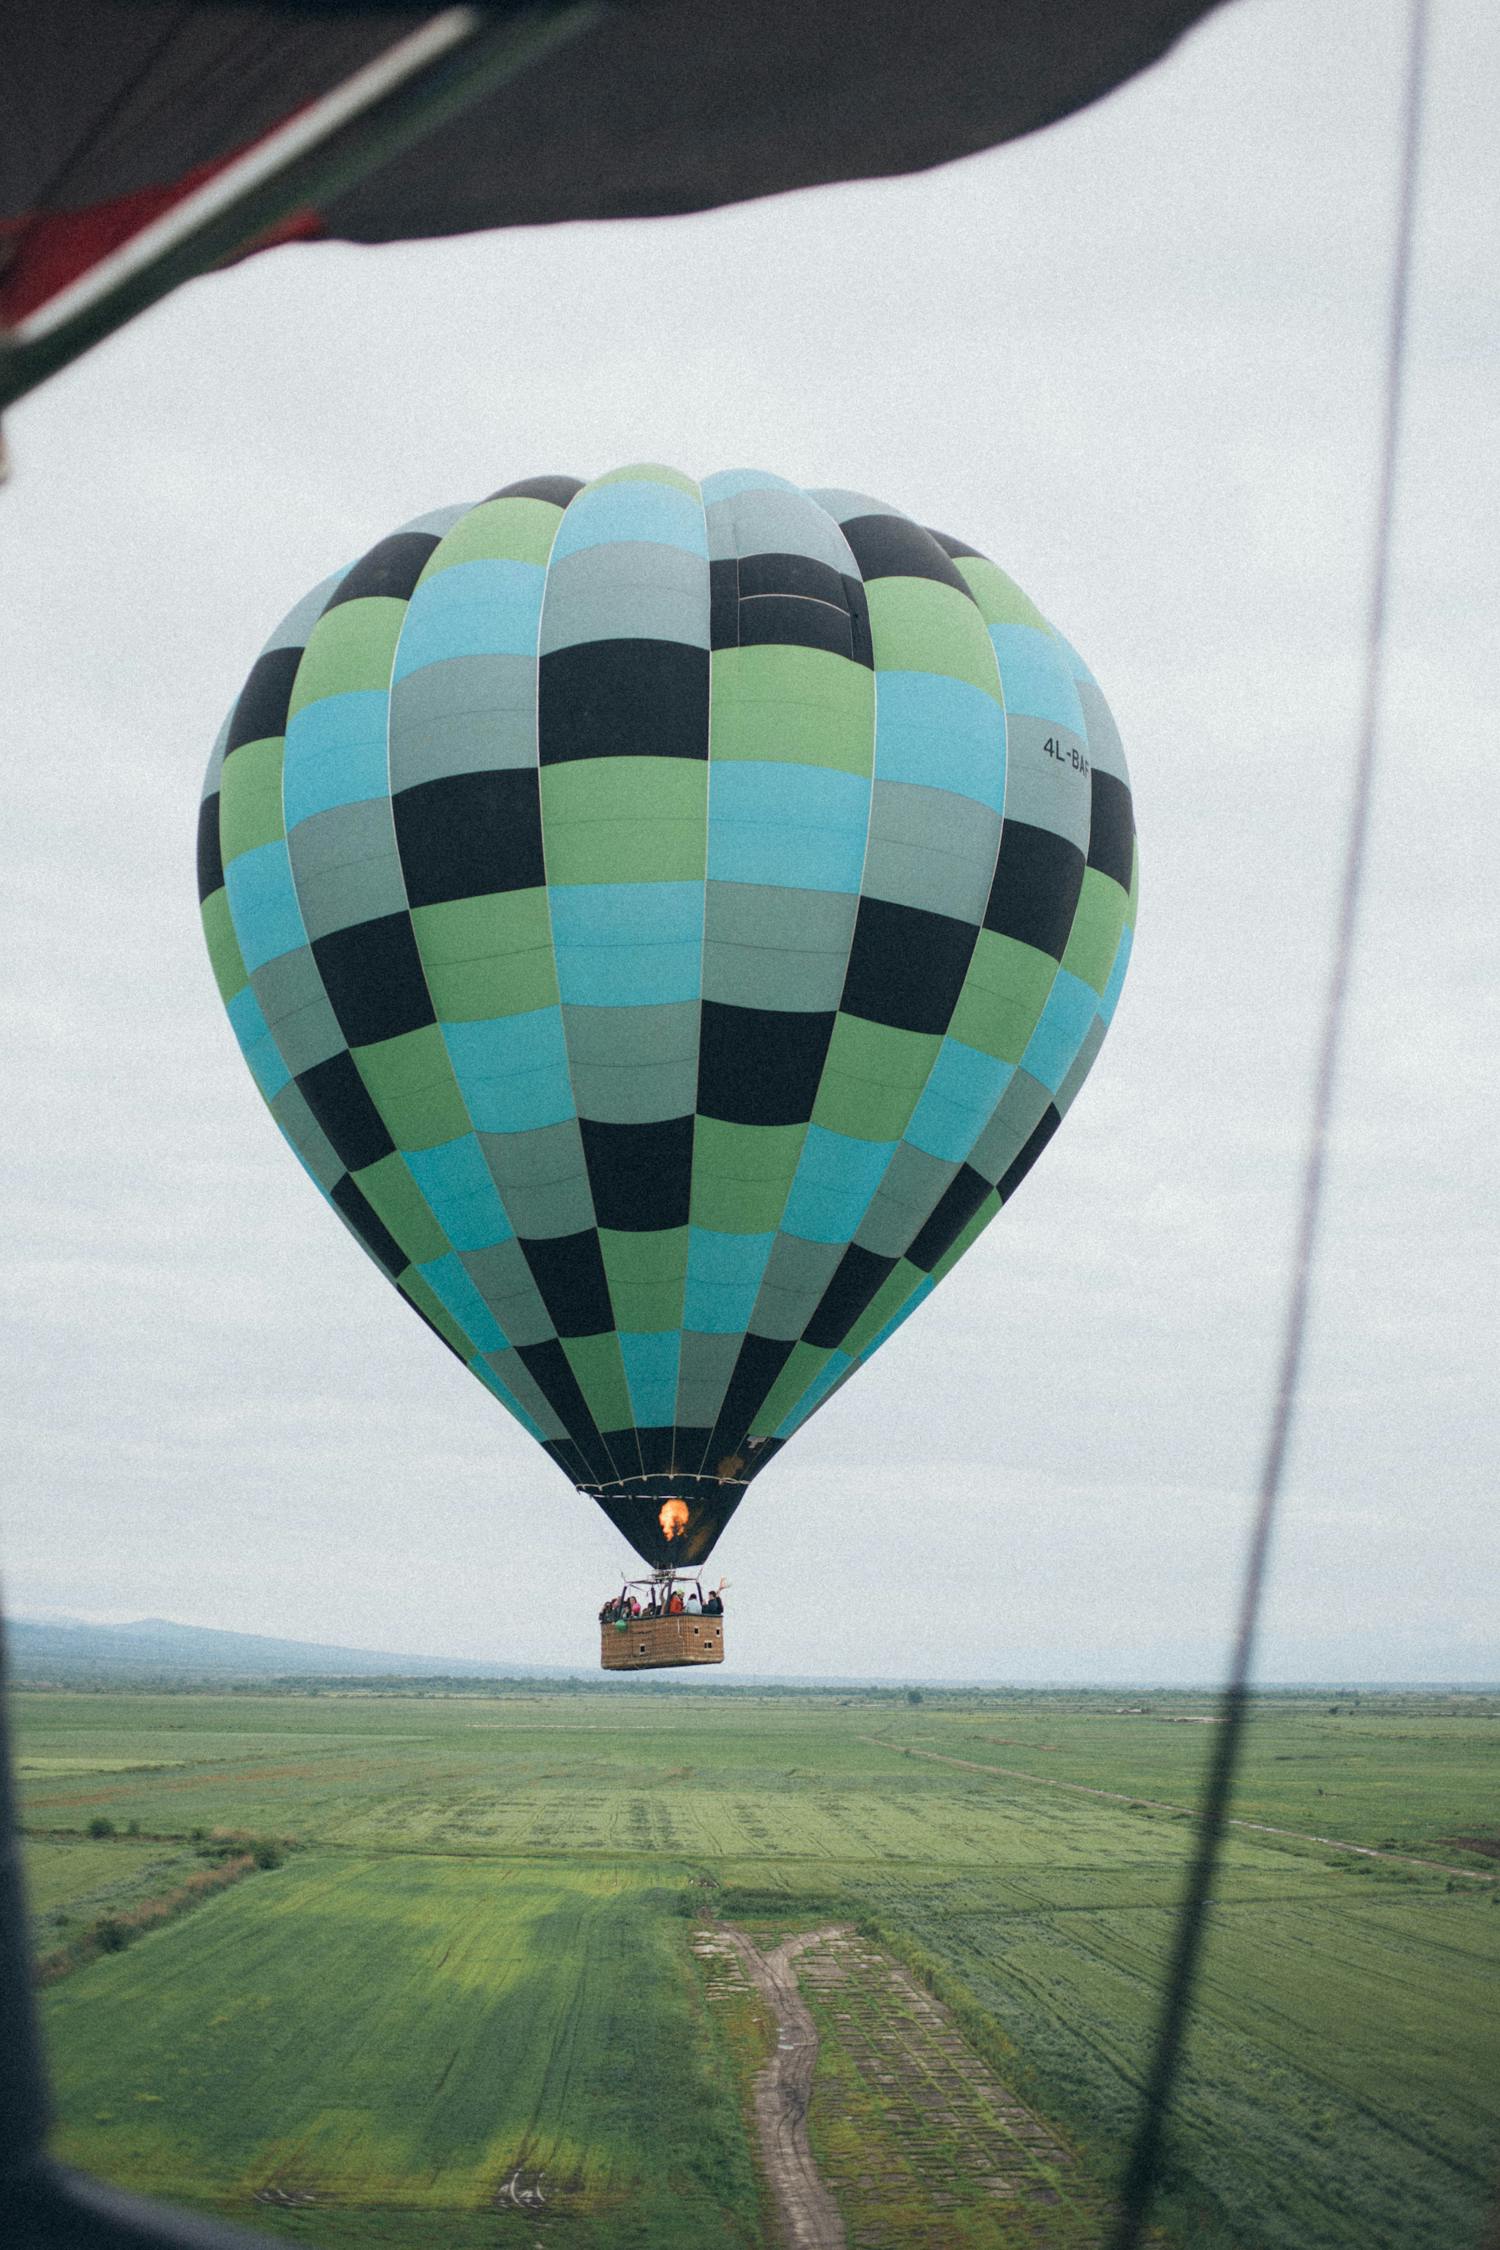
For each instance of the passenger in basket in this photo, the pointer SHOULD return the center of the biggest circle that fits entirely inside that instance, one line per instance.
(674, 1606)
(713, 1605)
(693, 1602)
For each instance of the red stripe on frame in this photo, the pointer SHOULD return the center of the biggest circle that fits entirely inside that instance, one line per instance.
(44, 252)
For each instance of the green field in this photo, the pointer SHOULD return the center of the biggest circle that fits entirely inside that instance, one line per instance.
(473, 1979)
(68, 1874)
(430, 2026)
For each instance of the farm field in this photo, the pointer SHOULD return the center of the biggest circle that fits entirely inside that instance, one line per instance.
(1394, 1771)
(474, 1980)
(434, 2028)
(67, 1874)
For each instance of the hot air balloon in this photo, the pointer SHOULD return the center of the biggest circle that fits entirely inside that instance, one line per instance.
(668, 921)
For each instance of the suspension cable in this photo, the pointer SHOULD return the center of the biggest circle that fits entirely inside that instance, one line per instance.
(1143, 2168)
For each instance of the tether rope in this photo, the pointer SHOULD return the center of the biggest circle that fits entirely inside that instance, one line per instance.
(1143, 2169)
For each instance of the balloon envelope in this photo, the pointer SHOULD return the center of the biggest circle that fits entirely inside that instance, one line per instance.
(668, 921)
(110, 114)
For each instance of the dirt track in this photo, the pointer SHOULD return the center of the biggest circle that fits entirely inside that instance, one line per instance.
(809, 2216)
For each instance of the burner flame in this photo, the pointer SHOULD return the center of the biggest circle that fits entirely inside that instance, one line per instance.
(673, 1518)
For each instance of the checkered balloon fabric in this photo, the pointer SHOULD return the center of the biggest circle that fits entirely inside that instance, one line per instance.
(668, 921)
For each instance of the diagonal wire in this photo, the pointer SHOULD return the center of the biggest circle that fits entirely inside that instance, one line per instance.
(97, 131)
(1143, 2169)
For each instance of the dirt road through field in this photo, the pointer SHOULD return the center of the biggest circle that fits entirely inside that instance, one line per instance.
(809, 2216)
(1157, 1804)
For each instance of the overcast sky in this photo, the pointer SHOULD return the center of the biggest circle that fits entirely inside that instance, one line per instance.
(1136, 359)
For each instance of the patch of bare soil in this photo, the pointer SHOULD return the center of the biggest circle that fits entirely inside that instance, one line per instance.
(958, 2155)
(520, 2191)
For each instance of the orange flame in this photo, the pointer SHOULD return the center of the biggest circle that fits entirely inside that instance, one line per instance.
(673, 1517)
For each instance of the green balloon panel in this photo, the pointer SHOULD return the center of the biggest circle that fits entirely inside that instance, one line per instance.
(668, 920)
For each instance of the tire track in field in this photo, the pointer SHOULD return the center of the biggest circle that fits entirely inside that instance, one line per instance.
(783, 2088)
(1282, 2037)
(1158, 1804)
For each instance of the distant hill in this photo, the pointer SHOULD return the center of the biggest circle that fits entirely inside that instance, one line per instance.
(53, 1651)
(56, 1652)
(154, 1647)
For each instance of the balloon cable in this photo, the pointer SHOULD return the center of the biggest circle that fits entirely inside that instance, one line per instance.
(53, 187)
(1143, 2169)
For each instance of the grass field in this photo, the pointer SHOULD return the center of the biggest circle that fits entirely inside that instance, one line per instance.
(1390, 1770)
(434, 2028)
(71, 1872)
(75, 1883)
(473, 1978)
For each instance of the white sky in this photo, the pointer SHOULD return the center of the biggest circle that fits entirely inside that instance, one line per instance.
(1137, 360)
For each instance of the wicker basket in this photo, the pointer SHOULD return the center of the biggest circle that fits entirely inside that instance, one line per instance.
(652, 1644)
